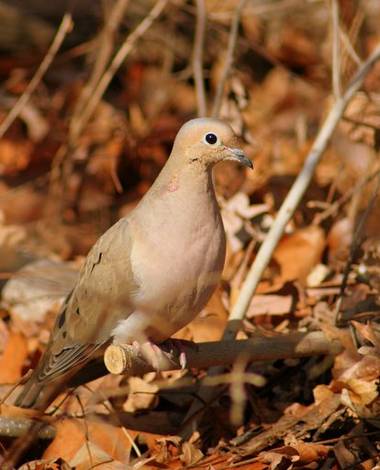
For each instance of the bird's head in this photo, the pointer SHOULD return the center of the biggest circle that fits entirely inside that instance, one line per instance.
(208, 141)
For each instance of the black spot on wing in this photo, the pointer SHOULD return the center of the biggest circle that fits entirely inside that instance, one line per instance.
(62, 318)
(62, 315)
(97, 261)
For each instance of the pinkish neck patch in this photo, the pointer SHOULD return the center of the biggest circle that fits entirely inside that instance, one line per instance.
(173, 184)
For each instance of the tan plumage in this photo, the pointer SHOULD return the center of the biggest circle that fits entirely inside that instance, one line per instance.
(154, 270)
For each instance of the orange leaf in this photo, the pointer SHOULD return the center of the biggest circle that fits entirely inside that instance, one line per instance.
(297, 254)
(13, 358)
(71, 435)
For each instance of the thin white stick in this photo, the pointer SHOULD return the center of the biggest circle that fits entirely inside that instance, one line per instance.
(200, 29)
(336, 57)
(228, 63)
(294, 197)
(64, 28)
(350, 48)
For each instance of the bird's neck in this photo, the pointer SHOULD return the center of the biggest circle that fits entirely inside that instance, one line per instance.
(182, 193)
(188, 180)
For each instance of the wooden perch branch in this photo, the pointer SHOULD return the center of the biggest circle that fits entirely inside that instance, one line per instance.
(127, 360)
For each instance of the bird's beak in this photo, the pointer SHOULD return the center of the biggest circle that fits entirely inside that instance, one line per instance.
(239, 156)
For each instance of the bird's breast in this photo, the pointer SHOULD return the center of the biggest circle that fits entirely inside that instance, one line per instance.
(179, 273)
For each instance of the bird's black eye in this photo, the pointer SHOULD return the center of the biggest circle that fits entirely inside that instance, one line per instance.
(211, 138)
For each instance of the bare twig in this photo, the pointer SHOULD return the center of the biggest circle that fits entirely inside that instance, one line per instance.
(18, 426)
(32, 430)
(348, 39)
(200, 29)
(350, 48)
(336, 65)
(228, 63)
(86, 432)
(64, 28)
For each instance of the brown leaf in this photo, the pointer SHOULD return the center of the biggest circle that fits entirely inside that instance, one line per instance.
(55, 464)
(142, 395)
(309, 452)
(270, 305)
(190, 454)
(369, 333)
(13, 358)
(71, 434)
(14, 156)
(91, 455)
(298, 253)
(339, 241)
(363, 392)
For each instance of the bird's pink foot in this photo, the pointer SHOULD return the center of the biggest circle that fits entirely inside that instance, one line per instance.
(149, 351)
(178, 345)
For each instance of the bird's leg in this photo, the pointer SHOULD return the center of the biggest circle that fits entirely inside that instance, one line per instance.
(149, 351)
(178, 344)
(153, 353)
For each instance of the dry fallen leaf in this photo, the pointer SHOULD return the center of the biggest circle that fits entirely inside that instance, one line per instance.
(44, 464)
(142, 395)
(270, 305)
(90, 455)
(190, 454)
(13, 358)
(71, 436)
(298, 253)
(361, 391)
(14, 156)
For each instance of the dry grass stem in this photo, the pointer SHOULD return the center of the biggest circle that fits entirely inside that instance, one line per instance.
(336, 56)
(199, 44)
(228, 63)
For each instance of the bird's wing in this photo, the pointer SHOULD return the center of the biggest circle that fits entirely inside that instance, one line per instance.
(91, 311)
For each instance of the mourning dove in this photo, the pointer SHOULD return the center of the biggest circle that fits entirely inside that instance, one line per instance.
(153, 271)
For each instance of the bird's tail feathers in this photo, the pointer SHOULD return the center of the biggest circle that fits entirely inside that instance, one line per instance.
(30, 393)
